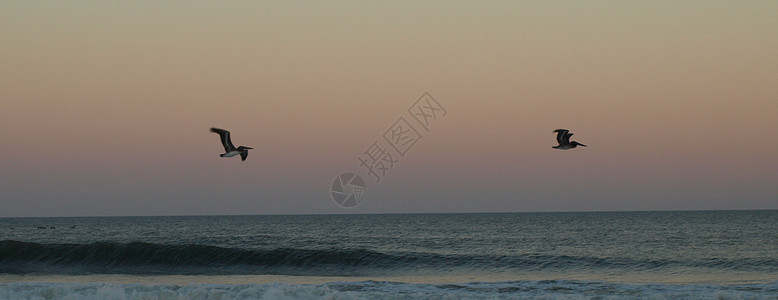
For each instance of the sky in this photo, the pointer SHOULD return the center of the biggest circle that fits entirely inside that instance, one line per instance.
(107, 105)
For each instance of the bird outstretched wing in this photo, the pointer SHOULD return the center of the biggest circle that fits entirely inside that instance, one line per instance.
(561, 136)
(567, 138)
(225, 138)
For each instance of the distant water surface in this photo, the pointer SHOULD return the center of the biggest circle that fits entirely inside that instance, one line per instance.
(632, 254)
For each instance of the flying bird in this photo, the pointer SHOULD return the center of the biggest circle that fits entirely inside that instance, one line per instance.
(563, 138)
(229, 149)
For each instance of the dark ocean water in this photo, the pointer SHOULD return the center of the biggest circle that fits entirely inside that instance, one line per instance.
(724, 254)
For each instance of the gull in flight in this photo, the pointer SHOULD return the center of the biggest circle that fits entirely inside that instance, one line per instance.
(229, 149)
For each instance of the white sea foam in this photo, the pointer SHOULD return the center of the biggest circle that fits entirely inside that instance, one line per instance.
(391, 290)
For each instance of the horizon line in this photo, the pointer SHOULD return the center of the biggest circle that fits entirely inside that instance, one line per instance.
(408, 213)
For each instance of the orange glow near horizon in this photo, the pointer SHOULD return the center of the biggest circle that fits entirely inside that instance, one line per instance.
(672, 98)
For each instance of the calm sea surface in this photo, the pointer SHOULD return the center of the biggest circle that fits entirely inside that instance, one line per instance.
(698, 255)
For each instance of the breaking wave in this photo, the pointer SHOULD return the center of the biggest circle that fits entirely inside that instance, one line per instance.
(159, 259)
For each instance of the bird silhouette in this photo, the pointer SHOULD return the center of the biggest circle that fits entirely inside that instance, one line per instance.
(229, 148)
(563, 138)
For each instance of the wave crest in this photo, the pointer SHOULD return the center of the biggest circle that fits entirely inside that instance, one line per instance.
(147, 258)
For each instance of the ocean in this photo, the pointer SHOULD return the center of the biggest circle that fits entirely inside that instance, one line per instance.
(586, 255)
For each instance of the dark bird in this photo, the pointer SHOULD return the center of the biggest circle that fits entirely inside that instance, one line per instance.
(563, 138)
(229, 149)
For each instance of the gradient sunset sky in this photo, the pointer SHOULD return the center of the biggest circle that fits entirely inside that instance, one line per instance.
(106, 105)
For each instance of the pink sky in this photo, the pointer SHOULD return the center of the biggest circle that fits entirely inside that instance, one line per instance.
(106, 106)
